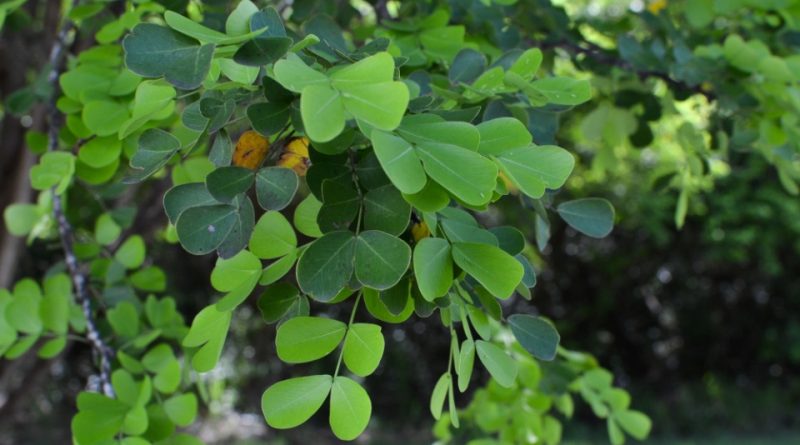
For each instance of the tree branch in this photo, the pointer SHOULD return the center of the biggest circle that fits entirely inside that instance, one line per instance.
(65, 231)
(602, 56)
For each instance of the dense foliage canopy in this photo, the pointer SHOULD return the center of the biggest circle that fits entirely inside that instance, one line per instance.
(348, 166)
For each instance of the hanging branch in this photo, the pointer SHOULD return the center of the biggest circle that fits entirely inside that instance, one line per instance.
(65, 231)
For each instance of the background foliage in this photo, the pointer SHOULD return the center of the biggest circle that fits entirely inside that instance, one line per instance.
(683, 115)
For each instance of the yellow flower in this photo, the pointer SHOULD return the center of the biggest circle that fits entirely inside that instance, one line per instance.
(296, 156)
(656, 6)
(420, 230)
(251, 149)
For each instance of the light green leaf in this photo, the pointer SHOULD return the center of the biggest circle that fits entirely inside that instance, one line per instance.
(273, 236)
(131, 253)
(290, 403)
(21, 218)
(295, 75)
(500, 365)
(55, 169)
(466, 174)
(363, 348)
(350, 410)
(238, 21)
(181, 409)
(323, 112)
(533, 169)
(377, 68)
(305, 339)
(564, 90)
(399, 161)
(502, 134)
(305, 217)
(208, 331)
(635, 423)
(381, 105)
(439, 394)
(466, 361)
(433, 267)
(497, 271)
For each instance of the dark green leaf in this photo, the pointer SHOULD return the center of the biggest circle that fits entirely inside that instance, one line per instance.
(154, 51)
(536, 335)
(203, 229)
(591, 216)
(275, 187)
(225, 183)
(327, 265)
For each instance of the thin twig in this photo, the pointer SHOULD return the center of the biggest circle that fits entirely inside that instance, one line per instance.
(65, 231)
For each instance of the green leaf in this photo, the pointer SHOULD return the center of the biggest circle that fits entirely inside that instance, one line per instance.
(466, 361)
(279, 268)
(269, 118)
(99, 418)
(380, 259)
(431, 198)
(131, 253)
(305, 339)
(444, 42)
(295, 75)
(497, 271)
(528, 63)
(124, 319)
(439, 394)
(104, 117)
(502, 134)
(291, 402)
(509, 239)
(533, 169)
(500, 365)
(380, 105)
(386, 210)
(466, 174)
(591, 216)
(195, 30)
(225, 183)
(536, 335)
(564, 90)
(185, 196)
(106, 230)
(467, 66)
(400, 162)
(377, 68)
(327, 265)
(203, 229)
(363, 348)
(635, 423)
(238, 276)
(323, 112)
(433, 267)
(208, 331)
(156, 147)
(276, 187)
(350, 410)
(305, 217)
(378, 308)
(100, 152)
(276, 300)
(181, 409)
(238, 21)
(154, 51)
(273, 236)
(55, 169)
(340, 205)
(20, 219)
